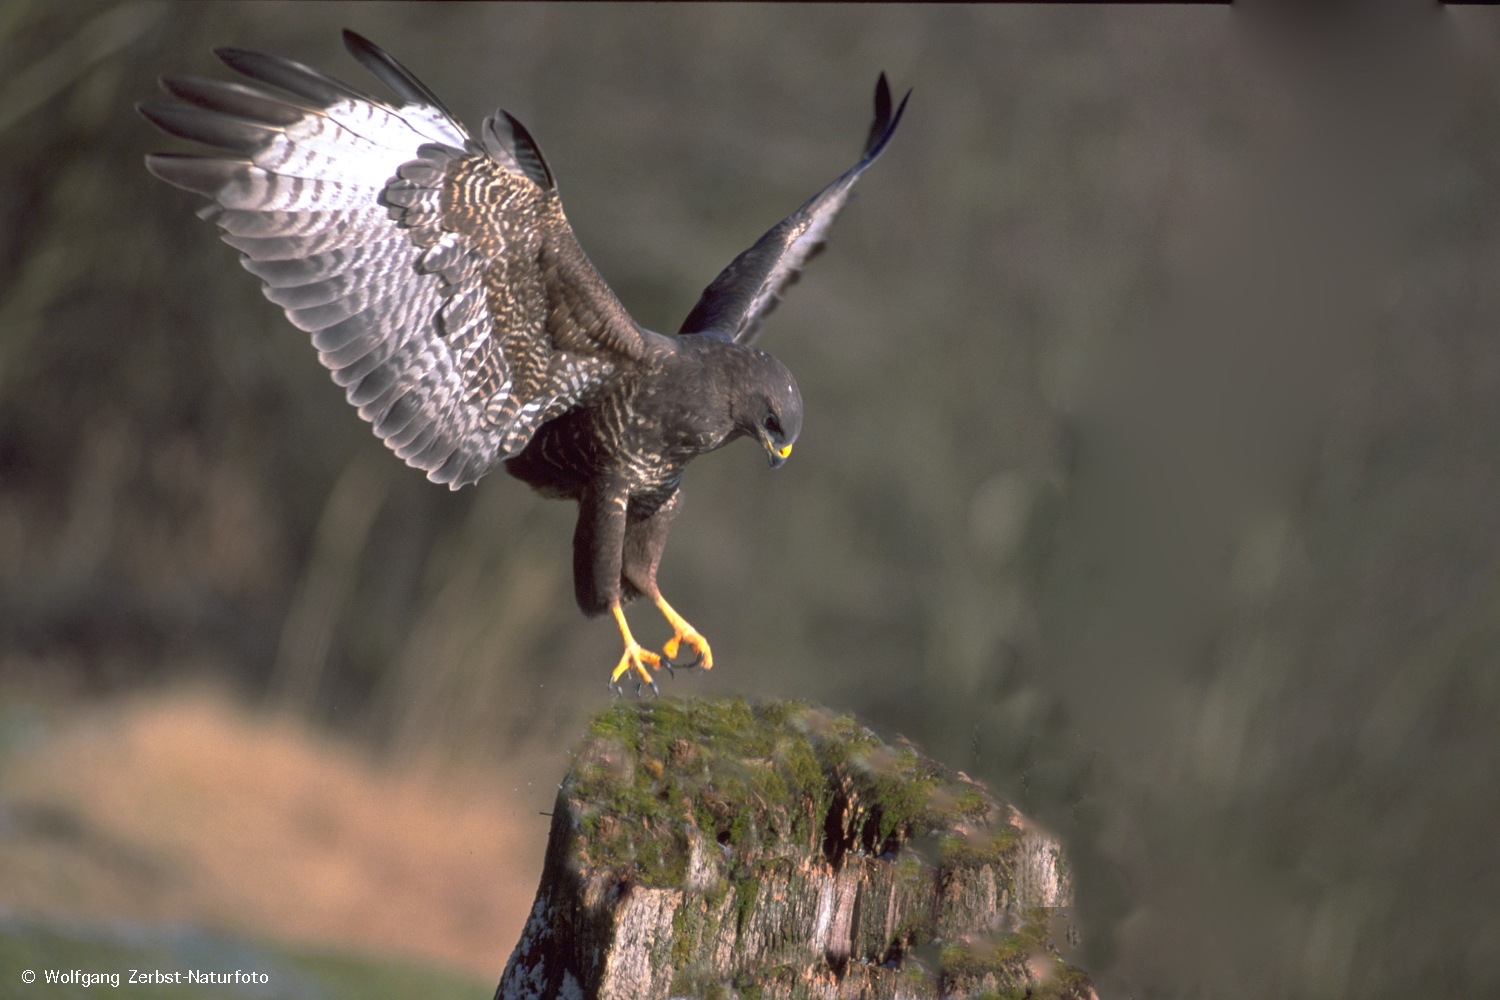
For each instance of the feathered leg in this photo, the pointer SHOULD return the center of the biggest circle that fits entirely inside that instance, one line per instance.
(598, 543)
(645, 537)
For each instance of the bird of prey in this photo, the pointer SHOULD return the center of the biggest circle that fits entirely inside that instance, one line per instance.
(445, 291)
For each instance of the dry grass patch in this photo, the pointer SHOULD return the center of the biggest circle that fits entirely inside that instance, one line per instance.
(184, 807)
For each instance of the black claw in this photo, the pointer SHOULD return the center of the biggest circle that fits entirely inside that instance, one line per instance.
(695, 665)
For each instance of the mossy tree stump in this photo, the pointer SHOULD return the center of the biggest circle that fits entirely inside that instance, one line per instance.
(719, 849)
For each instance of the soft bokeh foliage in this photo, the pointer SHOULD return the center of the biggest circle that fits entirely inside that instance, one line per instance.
(1149, 466)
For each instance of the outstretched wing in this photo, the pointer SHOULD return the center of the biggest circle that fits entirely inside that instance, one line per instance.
(739, 299)
(439, 278)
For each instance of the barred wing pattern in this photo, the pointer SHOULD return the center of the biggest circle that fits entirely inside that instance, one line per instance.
(736, 303)
(439, 278)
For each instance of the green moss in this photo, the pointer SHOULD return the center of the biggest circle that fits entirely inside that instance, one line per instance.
(1032, 934)
(1067, 983)
(682, 934)
(901, 792)
(970, 802)
(691, 984)
(998, 957)
(993, 848)
(745, 892)
(800, 762)
(761, 782)
(759, 779)
(713, 896)
(753, 986)
(915, 925)
(915, 980)
(735, 770)
(1004, 958)
(1072, 981)
(909, 870)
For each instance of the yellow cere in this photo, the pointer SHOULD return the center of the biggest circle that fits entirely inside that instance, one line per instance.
(784, 452)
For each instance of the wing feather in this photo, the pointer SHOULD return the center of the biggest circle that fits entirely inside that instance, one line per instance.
(339, 235)
(736, 303)
(438, 277)
(368, 223)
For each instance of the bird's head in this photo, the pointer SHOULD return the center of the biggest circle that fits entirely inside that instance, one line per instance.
(769, 406)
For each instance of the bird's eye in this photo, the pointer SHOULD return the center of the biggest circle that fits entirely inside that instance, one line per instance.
(773, 426)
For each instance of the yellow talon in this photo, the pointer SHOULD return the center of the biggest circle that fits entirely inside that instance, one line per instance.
(684, 633)
(635, 657)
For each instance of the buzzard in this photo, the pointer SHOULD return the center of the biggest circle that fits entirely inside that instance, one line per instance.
(445, 291)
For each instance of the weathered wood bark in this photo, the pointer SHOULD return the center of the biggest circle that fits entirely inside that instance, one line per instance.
(718, 849)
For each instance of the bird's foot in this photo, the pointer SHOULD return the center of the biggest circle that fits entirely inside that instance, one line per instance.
(703, 655)
(684, 633)
(635, 658)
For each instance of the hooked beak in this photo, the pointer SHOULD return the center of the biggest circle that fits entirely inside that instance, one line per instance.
(777, 455)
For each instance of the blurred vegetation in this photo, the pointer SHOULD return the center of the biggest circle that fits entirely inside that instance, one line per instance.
(1150, 462)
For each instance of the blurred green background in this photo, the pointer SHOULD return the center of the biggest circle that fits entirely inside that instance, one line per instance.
(1150, 465)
